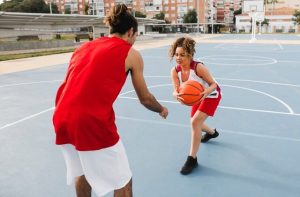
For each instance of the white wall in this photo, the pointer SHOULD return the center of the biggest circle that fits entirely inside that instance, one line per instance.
(276, 22)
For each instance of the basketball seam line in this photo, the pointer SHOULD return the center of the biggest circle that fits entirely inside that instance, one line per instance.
(194, 87)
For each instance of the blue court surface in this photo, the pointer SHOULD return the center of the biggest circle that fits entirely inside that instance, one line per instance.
(256, 154)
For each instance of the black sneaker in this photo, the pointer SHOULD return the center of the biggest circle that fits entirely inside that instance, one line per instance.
(189, 165)
(208, 136)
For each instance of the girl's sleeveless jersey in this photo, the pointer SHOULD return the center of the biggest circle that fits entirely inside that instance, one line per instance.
(193, 76)
(84, 114)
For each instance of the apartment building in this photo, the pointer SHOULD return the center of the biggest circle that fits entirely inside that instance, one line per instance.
(208, 11)
(176, 9)
(69, 6)
(211, 11)
(96, 7)
(150, 7)
(237, 4)
(225, 10)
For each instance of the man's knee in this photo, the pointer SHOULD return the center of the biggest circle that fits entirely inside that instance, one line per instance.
(83, 188)
(125, 191)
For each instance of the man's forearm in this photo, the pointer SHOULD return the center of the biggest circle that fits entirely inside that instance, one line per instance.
(152, 104)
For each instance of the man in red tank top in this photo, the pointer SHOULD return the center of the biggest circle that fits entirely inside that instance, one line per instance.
(84, 118)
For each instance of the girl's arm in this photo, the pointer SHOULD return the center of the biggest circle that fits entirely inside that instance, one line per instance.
(175, 82)
(204, 73)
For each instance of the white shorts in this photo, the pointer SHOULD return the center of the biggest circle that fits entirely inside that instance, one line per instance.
(105, 169)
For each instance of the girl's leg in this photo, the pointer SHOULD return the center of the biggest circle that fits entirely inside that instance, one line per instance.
(191, 162)
(207, 129)
(197, 122)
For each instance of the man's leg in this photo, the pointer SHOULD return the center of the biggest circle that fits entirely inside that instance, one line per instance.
(83, 188)
(125, 191)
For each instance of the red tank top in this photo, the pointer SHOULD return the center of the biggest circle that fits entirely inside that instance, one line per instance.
(84, 114)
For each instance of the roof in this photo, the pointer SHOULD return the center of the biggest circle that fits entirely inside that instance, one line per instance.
(11, 20)
(282, 11)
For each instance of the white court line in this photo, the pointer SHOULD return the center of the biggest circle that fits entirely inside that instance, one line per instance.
(288, 61)
(222, 107)
(262, 61)
(164, 76)
(29, 83)
(258, 110)
(266, 94)
(249, 89)
(238, 59)
(241, 47)
(157, 122)
(254, 81)
(219, 45)
(26, 118)
(154, 86)
(280, 46)
(244, 80)
(162, 85)
(223, 130)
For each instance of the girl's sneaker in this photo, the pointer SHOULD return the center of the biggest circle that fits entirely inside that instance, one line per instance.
(208, 136)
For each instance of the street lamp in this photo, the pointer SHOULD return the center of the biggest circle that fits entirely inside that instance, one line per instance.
(198, 15)
(50, 6)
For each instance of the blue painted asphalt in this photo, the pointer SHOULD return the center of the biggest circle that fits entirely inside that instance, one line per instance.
(258, 119)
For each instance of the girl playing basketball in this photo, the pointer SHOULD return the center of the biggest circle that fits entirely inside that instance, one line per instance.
(187, 69)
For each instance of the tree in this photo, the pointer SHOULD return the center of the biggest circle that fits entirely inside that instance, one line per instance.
(159, 16)
(10, 6)
(297, 17)
(139, 14)
(32, 6)
(86, 8)
(190, 17)
(53, 7)
(236, 12)
(167, 21)
(68, 10)
(273, 2)
(265, 22)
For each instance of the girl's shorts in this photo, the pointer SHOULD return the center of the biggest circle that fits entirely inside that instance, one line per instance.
(208, 105)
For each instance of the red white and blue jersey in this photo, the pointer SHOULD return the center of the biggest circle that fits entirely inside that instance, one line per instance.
(84, 114)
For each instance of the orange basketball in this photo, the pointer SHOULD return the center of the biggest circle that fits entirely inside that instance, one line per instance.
(190, 91)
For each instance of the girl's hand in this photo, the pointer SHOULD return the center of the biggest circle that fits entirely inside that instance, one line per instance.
(204, 94)
(177, 96)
